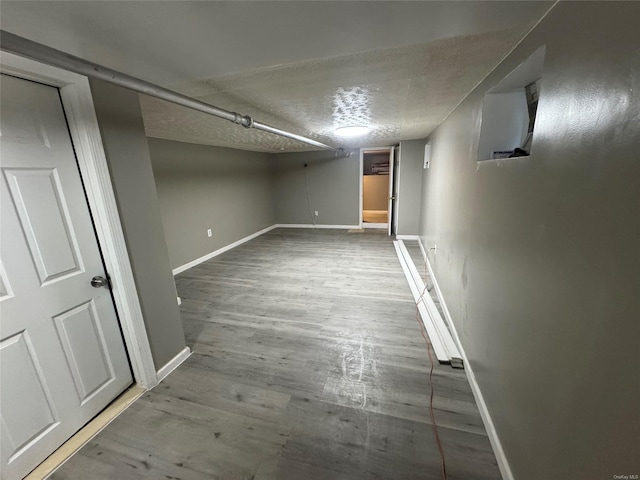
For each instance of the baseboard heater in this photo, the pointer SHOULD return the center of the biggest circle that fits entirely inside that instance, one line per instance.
(441, 340)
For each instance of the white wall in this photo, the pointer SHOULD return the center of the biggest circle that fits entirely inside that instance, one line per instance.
(505, 121)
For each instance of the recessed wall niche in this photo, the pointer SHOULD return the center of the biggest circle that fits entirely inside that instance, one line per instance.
(509, 112)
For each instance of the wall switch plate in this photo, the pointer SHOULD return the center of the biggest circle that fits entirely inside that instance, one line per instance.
(179, 300)
(316, 213)
(209, 233)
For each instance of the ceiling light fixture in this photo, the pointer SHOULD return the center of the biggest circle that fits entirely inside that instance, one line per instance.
(352, 131)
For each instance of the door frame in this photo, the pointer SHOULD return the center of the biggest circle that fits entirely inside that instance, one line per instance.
(388, 150)
(396, 187)
(77, 103)
(391, 201)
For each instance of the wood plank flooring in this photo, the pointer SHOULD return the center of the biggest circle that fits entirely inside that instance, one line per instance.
(375, 216)
(308, 364)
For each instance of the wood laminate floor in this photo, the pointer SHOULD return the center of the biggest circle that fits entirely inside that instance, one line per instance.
(375, 216)
(308, 364)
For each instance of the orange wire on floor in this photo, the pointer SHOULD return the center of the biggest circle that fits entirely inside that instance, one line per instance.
(431, 413)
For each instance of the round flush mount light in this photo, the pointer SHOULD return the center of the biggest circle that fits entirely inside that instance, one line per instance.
(352, 131)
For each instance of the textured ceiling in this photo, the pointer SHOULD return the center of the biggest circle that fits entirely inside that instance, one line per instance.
(401, 93)
(305, 66)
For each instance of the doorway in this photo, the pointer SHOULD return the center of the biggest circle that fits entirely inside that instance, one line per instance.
(377, 166)
(60, 341)
(60, 228)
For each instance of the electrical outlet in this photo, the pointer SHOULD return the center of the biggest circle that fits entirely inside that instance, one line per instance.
(316, 213)
(209, 233)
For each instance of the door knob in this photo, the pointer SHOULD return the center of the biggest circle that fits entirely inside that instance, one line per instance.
(98, 281)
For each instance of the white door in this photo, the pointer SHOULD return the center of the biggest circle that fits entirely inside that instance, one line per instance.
(62, 357)
(397, 168)
(391, 197)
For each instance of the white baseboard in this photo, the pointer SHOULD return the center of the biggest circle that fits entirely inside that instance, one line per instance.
(408, 237)
(375, 225)
(417, 291)
(438, 332)
(503, 463)
(311, 225)
(215, 253)
(174, 363)
(226, 248)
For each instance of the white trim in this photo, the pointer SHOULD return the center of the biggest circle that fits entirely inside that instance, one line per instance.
(503, 463)
(444, 336)
(390, 199)
(174, 363)
(395, 217)
(85, 133)
(310, 225)
(384, 226)
(443, 344)
(360, 183)
(361, 189)
(438, 347)
(414, 238)
(220, 251)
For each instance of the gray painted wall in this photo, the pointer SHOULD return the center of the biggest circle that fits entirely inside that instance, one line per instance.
(202, 187)
(122, 130)
(538, 258)
(410, 160)
(333, 182)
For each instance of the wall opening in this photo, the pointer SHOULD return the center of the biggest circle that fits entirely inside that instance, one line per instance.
(509, 112)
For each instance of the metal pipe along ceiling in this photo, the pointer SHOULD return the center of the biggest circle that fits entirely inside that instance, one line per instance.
(36, 51)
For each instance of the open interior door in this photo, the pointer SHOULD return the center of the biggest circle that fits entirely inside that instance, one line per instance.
(392, 193)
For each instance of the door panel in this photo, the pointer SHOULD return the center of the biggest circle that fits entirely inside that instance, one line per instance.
(5, 287)
(62, 357)
(27, 407)
(85, 349)
(44, 219)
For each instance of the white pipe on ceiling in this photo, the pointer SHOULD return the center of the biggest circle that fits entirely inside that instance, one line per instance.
(36, 51)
